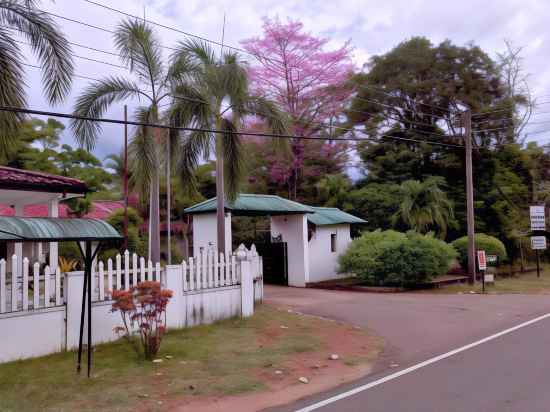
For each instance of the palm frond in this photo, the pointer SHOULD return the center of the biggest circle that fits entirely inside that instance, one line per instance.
(12, 92)
(233, 154)
(94, 101)
(140, 50)
(275, 119)
(195, 147)
(47, 41)
(196, 52)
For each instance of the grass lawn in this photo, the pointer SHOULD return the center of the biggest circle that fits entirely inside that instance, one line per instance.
(223, 359)
(520, 283)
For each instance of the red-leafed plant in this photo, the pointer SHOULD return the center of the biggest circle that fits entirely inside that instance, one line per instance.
(143, 311)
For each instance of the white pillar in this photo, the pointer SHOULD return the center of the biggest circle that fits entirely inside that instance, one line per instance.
(175, 311)
(74, 281)
(247, 282)
(205, 232)
(53, 211)
(18, 247)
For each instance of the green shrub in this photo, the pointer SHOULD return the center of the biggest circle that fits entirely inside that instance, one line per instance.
(491, 245)
(391, 258)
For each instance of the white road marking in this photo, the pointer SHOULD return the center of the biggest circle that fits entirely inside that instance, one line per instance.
(420, 365)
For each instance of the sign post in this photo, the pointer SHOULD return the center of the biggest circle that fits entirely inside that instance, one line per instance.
(538, 243)
(482, 264)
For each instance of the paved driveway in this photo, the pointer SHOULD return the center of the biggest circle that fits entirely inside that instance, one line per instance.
(415, 326)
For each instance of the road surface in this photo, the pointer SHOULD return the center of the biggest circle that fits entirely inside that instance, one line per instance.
(508, 373)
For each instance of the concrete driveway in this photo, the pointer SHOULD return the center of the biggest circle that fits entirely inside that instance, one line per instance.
(415, 326)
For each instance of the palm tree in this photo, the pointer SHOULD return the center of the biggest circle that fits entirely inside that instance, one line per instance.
(425, 206)
(53, 53)
(141, 52)
(215, 95)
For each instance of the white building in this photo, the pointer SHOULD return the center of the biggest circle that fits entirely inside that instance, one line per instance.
(312, 237)
(330, 236)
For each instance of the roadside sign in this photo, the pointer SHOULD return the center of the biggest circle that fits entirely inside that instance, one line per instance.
(538, 219)
(538, 242)
(481, 260)
(493, 259)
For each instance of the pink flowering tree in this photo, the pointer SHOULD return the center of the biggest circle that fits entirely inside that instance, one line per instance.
(310, 83)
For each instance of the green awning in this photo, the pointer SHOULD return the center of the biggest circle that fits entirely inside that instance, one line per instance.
(51, 229)
(253, 205)
(324, 216)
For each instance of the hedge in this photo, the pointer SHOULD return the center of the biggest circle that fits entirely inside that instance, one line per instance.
(390, 258)
(491, 245)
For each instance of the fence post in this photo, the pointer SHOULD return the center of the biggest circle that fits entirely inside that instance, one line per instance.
(247, 283)
(174, 310)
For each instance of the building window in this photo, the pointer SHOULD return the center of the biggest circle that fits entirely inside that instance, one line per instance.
(333, 242)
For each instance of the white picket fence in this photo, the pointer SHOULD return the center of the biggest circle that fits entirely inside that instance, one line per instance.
(41, 309)
(47, 286)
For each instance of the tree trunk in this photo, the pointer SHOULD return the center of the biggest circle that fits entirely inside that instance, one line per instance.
(168, 204)
(220, 194)
(154, 219)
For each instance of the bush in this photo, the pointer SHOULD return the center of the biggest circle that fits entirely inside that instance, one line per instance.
(143, 308)
(391, 258)
(491, 245)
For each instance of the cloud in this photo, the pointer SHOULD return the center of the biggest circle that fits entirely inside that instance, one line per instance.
(373, 26)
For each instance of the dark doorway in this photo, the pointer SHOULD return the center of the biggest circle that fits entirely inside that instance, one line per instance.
(275, 259)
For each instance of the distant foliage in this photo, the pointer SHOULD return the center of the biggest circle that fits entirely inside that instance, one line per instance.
(491, 245)
(390, 258)
(143, 312)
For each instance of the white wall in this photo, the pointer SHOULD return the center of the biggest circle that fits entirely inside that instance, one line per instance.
(323, 262)
(293, 229)
(30, 334)
(218, 295)
(205, 232)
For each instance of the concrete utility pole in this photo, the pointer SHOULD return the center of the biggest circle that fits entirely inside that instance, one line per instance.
(467, 123)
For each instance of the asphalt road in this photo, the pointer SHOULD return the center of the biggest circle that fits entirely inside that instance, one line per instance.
(509, 373)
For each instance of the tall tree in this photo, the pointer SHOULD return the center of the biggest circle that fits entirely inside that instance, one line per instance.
(215, 95)
(141, 51)
(310, 83)
(417, 90)
(53, 53)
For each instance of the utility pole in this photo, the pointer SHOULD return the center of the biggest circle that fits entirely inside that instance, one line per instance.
(467, 123)
(125, 177)
(168, 202)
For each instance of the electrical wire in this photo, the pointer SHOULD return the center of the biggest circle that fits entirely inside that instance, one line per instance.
(203, 130)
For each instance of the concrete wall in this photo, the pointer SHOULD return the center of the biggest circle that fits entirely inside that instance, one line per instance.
(30, 334)
(293, 229)
(205, 232)
(323, 262)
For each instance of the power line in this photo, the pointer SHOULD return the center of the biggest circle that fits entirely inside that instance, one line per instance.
(166, 27)
(203, 130)
(503, 110)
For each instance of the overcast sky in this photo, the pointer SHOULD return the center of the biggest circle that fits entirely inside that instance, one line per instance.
(373, 26)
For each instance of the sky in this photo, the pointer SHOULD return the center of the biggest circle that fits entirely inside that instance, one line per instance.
(373, 26)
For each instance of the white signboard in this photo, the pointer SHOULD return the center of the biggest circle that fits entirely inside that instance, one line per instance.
(538, 220)
(538, 242)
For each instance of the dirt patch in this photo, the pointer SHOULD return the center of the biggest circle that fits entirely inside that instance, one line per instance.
(356, 350)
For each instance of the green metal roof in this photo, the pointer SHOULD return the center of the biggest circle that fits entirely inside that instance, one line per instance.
(51, 229)
(332, 216)
(253, 205)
